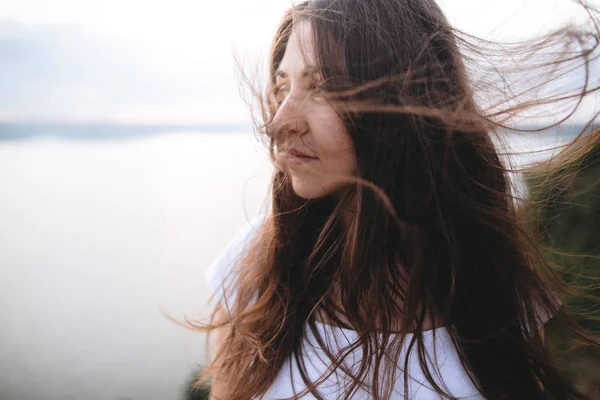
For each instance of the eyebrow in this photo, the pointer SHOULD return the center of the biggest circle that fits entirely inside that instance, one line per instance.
(307, 71)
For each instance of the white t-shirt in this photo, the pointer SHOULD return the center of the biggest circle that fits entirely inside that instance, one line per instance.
(449, 374)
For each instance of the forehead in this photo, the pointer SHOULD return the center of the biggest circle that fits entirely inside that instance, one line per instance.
(299, 58)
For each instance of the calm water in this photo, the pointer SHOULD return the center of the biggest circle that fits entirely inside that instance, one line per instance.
(97, 239)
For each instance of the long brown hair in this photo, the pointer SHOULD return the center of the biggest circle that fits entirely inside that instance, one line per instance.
(438, 228)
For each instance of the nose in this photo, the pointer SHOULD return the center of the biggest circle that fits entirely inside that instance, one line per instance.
(291, 116)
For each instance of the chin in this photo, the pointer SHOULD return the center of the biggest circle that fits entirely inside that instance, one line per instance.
(313, 191)
(308, 192)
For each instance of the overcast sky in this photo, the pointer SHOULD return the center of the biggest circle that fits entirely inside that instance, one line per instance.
(159, 61)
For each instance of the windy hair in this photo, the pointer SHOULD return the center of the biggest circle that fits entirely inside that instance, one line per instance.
(437, 227)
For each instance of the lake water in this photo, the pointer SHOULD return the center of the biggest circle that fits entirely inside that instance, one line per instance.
(98, 239)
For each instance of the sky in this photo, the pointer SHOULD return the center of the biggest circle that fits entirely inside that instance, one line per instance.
(146, 61)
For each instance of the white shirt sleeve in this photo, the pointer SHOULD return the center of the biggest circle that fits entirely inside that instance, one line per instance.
(218, 274)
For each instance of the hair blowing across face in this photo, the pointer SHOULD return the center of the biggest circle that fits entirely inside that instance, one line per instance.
(436, 230)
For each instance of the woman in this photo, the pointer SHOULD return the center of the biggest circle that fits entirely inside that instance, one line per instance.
(393, 263)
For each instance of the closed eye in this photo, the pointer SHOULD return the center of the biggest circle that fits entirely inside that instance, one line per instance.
(312, 87)
(279, 93)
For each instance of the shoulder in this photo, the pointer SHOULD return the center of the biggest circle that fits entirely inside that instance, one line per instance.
(231, 253)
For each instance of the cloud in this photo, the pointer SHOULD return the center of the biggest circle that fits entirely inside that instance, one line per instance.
(63, 72)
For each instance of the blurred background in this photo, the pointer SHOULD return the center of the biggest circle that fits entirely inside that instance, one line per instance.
(127, 161)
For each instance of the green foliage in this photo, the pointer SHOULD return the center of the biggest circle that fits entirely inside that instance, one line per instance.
(193, 393)
(568, 202)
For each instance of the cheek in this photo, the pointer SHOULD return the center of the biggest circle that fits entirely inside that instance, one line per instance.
(342, 157)
(335, 145)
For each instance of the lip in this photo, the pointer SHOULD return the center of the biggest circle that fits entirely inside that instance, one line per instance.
(299, 154)
(300, 160)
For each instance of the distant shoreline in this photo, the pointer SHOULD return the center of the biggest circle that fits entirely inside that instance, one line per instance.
(102, 131)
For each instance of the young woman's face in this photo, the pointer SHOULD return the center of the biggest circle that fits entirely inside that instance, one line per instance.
(309, 124)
